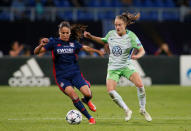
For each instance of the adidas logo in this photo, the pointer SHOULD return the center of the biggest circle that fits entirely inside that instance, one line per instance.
(29, 74)
(147, 81)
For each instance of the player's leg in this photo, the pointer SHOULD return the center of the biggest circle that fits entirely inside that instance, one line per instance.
(85, 90)
(81, 84)
(66, 86)
(136, 79)
(76, 101)
(111, 83)
(84, 86)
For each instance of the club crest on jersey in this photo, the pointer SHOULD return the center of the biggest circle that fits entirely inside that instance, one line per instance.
(138, 44)
(117, 51)
(61, 84)
(71, 44)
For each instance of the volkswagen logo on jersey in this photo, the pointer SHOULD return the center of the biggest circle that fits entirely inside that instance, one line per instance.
(117, 51)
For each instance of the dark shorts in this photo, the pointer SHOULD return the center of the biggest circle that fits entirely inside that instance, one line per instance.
(76, 80)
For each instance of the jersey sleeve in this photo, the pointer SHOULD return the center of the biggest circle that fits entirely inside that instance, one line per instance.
(49, 46)
(136, 43)
(78, 46)
(105, 39)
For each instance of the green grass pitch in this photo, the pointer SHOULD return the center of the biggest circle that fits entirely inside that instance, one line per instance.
(44, 109)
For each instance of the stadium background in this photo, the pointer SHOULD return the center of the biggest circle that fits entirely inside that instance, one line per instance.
(161, 20)
(164, 26)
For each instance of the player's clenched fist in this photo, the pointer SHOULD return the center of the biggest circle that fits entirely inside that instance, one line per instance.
(87, 35)
(44, 41)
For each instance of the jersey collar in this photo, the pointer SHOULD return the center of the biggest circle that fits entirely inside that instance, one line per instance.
(64, 42)
(127, 31)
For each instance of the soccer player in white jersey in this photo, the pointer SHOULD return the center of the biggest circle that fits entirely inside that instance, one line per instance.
(121, 43)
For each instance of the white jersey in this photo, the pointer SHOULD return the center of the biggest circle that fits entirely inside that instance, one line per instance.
(121, 49)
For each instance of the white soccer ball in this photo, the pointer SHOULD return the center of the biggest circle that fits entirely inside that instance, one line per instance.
(74, 117)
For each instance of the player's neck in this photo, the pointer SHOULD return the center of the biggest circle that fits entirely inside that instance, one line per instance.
(63, 40)
(123, 33)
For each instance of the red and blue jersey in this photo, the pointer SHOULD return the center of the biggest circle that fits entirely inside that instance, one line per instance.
(64, 56)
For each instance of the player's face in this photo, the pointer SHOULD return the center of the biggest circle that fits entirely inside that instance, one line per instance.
(64, 33)
(120, 26)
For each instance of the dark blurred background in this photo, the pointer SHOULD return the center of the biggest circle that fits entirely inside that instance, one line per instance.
(164, 26)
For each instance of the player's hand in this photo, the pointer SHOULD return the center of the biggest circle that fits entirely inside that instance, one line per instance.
(44, 41)
(87, 35)
(135, 57)
(101, 53)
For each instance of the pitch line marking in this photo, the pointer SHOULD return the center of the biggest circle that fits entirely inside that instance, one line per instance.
(103, 118)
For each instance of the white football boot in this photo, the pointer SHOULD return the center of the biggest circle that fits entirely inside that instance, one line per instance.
(128, 115)
(146, 115)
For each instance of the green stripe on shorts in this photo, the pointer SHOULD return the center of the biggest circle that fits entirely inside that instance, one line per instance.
(116, 74)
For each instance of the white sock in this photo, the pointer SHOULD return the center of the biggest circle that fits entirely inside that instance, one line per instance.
(118, 100)
(142, 97)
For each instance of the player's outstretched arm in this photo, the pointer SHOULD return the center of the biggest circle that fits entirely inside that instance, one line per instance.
(140, 53)
(89, 49)
(88, 35)
(40, 48)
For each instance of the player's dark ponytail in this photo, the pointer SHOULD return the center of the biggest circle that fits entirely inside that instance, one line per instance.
(77, 30)
(128, 18)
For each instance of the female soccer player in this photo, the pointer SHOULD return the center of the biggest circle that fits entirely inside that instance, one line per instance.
(121, 43)
(66, 70)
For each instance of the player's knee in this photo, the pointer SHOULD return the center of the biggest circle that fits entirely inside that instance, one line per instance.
(88, 95)
(73, 96)
(110, 88)
(111, 85)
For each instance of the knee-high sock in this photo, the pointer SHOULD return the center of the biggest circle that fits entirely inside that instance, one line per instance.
(142, 97)
(118, 100)
(78, 104)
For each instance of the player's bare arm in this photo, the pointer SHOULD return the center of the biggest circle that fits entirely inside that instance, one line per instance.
(140, 53)
(40, 48)
(88, 35)
(89, 49)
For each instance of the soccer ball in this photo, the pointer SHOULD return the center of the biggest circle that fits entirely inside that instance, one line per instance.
(74, 117)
